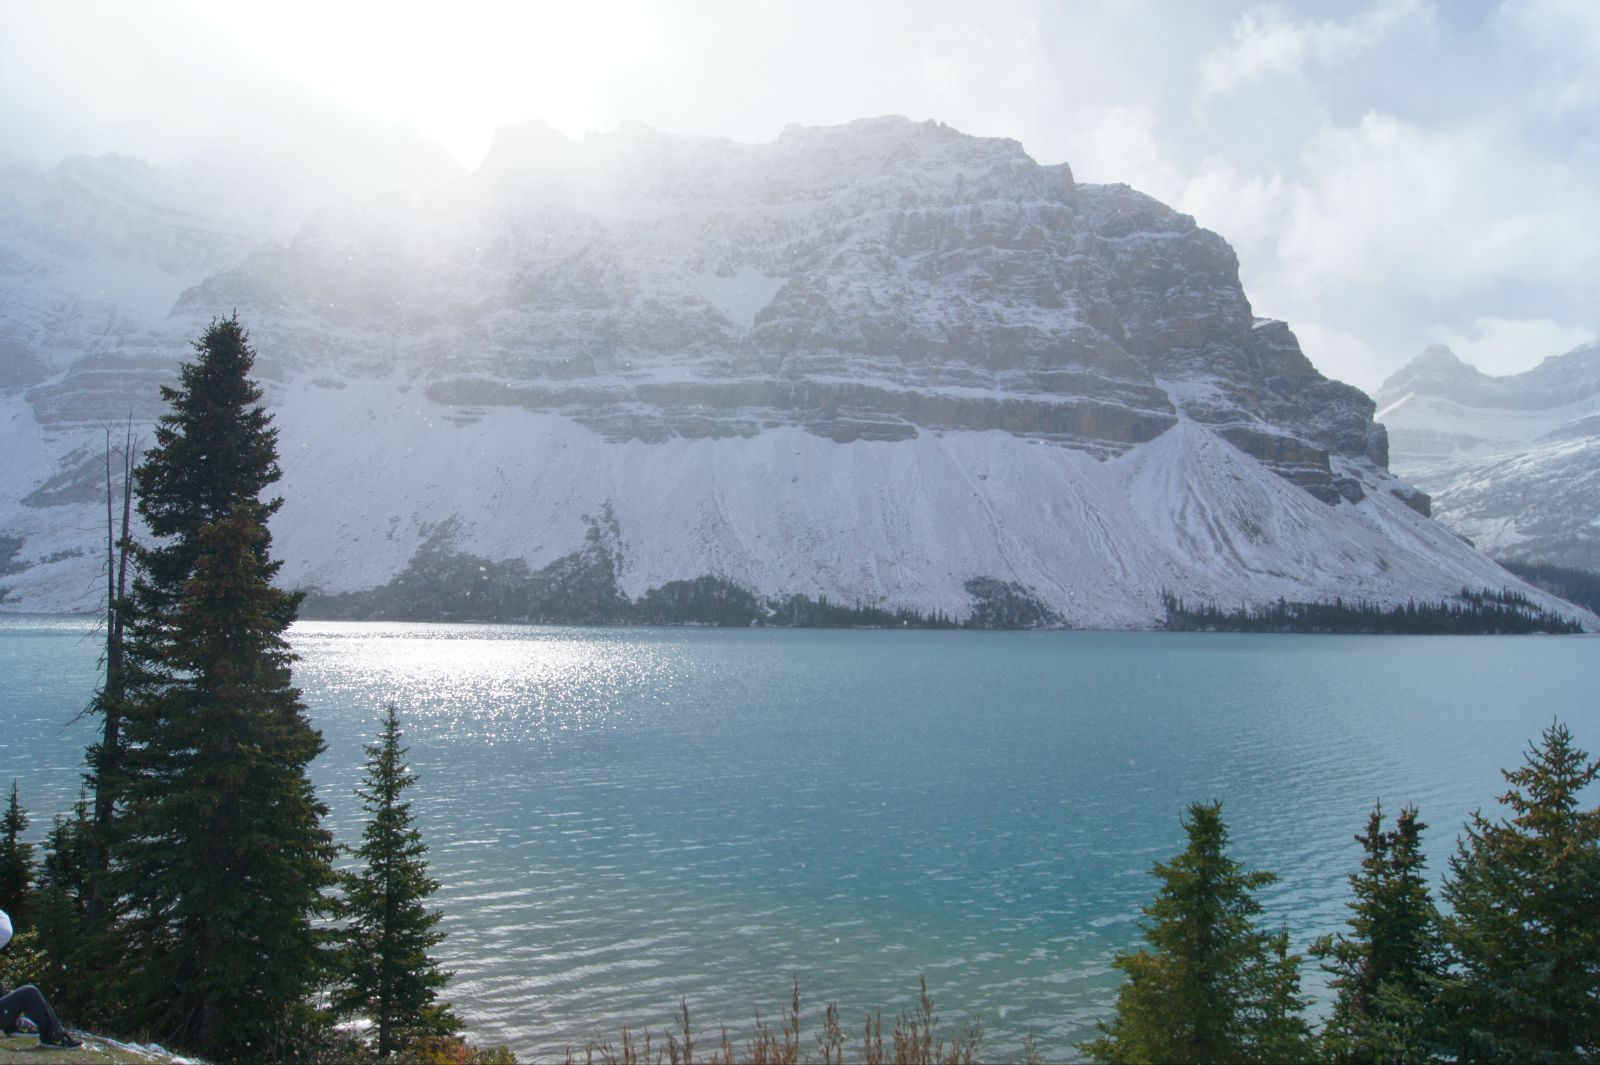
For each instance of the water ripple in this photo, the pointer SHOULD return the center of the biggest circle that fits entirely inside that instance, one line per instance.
(626, 819)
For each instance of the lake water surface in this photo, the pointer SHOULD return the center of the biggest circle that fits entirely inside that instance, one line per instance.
(626, 818)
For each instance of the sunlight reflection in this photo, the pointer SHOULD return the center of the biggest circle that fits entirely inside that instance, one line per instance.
(499, 684)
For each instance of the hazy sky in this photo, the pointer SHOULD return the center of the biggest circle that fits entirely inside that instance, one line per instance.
(1392, 173)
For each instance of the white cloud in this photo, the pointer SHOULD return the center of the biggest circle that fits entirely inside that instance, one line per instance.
(1267, 42)
(1562, 37)
(1383, 192)
(1341, 354)
(457, 73)
(1388, 172)
(1264, 43)
(1383, 229)
(1459, 210)
(1246, 208)
(1124, 144)
(1502, 346)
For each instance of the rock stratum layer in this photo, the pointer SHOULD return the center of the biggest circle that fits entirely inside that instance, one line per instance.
(1512, 462)
(883, 363)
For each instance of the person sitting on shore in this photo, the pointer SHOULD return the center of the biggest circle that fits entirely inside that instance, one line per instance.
(28, 1001)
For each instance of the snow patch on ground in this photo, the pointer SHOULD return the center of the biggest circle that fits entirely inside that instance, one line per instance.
(1391, 408)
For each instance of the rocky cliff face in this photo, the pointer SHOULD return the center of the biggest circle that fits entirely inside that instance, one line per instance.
(864, 283)
(91, 253)
(1512, 462)
(873, 362)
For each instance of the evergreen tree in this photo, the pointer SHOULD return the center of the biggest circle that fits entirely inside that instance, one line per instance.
(389, 976)
(1386, 970)
(1275, 1008)
(69, 971)
(221, 859)
(16, 863)
(1211, 986)
(1526, 924)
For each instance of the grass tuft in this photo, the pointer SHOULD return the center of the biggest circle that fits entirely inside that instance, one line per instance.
(915, 1039)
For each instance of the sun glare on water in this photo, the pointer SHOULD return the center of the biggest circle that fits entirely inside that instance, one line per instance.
(500, 685)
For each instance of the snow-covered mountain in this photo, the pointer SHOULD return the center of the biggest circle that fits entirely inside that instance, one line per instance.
(1512, 462)
(877, 362)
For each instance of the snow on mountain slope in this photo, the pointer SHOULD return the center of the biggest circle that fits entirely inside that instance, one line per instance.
(371, 473)
(873, 362)
(1511, 462)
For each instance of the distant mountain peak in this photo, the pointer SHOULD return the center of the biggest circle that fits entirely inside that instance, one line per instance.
(1509, 459)
(1437, 371)
(1439, 355)
(1583, 356)
(1556, 380)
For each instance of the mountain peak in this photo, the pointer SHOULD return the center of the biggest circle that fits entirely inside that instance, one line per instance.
(1508, 458)
(894, 144)
(874, 362)
(523, 146)
(877, 125)
(1437, 371)
(1438, 356)
(1584, 355)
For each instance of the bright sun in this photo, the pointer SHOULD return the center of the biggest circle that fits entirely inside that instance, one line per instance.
(454, 71)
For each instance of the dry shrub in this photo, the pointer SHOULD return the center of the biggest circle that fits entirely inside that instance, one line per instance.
(915, 1039)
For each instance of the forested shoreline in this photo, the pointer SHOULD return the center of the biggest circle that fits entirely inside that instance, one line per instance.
(1485, 612)
(1574, 585)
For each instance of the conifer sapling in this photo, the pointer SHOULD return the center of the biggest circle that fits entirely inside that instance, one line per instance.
(389, 976)
(1210, 985)
(16, 863)
(1387, 969)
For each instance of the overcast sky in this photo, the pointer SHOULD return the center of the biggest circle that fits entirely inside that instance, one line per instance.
(1392, 173)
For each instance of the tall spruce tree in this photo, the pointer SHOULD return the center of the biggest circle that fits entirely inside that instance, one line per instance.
(16, 863)
(1525, 931)
(1387, 969)
(388, 975)
(221, 858)
(1211, 986)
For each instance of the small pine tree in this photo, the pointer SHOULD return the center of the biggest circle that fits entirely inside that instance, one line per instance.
(69, 973)
(16, 863)
(1275, 1008)
(22, 962)
(1386, 971)
(1525, 931)
(1211, 986)
(389, 976)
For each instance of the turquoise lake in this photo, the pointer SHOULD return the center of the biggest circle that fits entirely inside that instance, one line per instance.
(626, 818)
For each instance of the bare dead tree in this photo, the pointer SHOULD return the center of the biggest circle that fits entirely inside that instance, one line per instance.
(105, 757)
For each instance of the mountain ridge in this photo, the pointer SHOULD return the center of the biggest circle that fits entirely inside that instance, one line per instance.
(1511, 461)
(985, 369)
